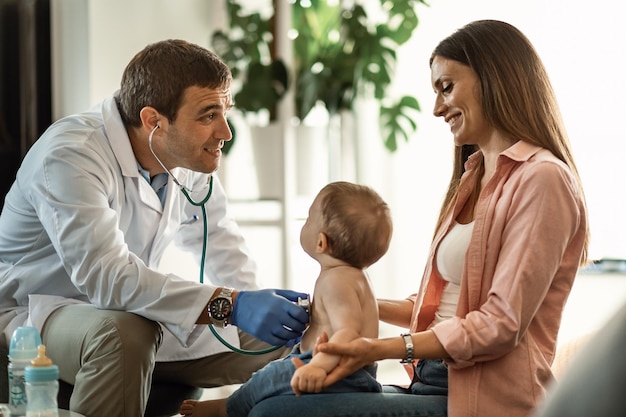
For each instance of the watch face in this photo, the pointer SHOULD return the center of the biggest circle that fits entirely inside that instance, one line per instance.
(220, 308)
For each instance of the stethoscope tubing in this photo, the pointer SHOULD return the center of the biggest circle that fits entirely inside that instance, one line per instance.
(201, 204)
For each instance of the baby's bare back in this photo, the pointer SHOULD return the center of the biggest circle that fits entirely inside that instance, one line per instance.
(342, 300)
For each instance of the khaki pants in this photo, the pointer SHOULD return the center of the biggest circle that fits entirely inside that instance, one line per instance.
(109, 357)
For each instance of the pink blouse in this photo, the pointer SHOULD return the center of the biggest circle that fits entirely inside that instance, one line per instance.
(529, 232)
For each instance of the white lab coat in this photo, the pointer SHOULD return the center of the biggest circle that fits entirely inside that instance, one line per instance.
(80, 224)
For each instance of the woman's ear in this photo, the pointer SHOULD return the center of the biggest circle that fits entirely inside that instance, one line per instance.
(322, 243)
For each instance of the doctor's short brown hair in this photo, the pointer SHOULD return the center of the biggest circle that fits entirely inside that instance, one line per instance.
(158, 76)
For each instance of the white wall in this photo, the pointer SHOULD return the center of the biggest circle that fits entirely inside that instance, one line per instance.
(580, 43)
(93, 40)
(580, 46)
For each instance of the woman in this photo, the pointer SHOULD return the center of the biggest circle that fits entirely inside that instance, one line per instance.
(510, 237)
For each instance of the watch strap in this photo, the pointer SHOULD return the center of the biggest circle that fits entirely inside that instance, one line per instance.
(408, 343)
(226, 292)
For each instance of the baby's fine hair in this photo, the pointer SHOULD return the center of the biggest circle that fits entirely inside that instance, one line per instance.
(357, 223)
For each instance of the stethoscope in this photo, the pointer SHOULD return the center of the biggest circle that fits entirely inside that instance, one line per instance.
(200, 204)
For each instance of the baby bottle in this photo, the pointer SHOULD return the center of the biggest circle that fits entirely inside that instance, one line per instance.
(22, 349)
(42, 386)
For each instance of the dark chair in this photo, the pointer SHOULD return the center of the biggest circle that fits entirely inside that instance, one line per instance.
(164, 400)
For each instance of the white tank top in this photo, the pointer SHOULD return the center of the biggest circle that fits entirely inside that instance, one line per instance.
(450, 260)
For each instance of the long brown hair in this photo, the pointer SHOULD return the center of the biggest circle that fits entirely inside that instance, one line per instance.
(517, 96)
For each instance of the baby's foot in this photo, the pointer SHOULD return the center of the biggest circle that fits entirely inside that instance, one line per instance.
(210, 408)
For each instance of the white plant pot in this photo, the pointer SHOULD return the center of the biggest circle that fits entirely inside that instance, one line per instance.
(311, 143)
(268, 151)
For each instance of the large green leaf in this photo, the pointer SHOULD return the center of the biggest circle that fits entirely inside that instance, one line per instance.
(397, 121)
(264, 87)
(402, 19)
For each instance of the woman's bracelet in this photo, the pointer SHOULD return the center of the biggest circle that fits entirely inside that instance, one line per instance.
(408, 342)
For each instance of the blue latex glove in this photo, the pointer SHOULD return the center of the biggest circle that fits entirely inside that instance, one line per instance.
(270, 315)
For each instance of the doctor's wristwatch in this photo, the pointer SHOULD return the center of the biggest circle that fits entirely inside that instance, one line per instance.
(221, 307)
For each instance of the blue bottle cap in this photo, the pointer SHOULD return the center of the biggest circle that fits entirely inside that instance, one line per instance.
(41, 373)
(24, 343)
(41, 368)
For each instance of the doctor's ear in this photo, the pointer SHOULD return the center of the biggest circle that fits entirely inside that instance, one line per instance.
(150, 118)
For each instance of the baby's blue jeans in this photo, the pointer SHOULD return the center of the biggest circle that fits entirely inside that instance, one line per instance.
(425, 398)
(275, 380)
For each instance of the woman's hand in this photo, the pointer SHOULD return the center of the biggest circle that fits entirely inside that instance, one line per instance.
(363, 351)
(354, 356)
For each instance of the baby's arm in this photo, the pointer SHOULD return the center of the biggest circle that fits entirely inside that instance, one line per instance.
(310, 377)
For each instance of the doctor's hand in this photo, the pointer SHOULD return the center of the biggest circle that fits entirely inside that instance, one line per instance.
(270, 315)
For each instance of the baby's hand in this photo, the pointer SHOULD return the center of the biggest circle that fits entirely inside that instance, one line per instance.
(307, 378)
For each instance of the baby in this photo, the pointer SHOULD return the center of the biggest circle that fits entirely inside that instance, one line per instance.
(348, 229)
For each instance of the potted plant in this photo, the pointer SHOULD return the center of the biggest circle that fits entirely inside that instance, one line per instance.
(259, 82)
(247, 48)
(339, 55)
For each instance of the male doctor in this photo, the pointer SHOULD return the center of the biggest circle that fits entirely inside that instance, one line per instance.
(92, 210)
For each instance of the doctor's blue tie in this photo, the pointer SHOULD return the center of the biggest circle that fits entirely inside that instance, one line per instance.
(159, 185)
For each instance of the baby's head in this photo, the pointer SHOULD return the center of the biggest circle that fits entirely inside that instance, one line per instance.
(356, 222)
